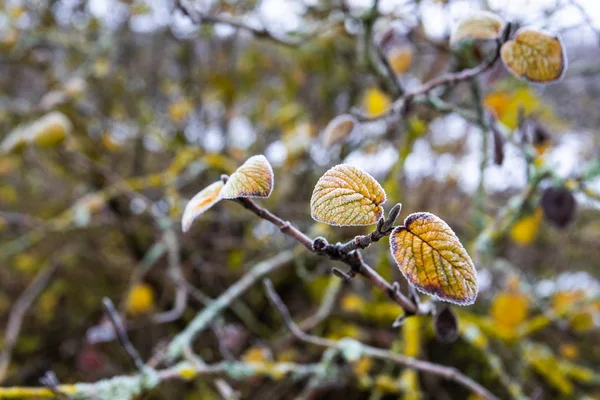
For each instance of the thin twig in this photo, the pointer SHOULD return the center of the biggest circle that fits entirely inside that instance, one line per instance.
(449, 373)
(17, 313)
(203, 319)
(115, 319)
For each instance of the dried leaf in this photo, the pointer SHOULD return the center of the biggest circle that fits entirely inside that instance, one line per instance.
(535, 56)
(446, 326)
(482, 25)
(253, 179)
(347, 196)
(558, 205)
(432, 259)
(338, 129)
(201, 202)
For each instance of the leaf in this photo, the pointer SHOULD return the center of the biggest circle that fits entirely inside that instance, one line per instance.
(535, 56)
(558, 205)
(509, 309)
(432, 259)
(201, 202)
(49, 131)
(400, 58)
(525, 229)
(347, 196)
(253, 179)
(338, 129)
(445, 326)
(140, 299)
(376, 103)
(482, 25)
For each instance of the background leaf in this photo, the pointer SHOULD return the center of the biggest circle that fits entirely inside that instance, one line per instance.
(432, 258)
(253, 179)
(347, 196)
(479, 25)
(535, 56)
(338, 129)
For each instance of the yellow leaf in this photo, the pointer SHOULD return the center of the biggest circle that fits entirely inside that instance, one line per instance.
(353, 303)
(201, 202)
(432, 259)
(253, 179)
(497, 102)
(509, 309)
(347, 196)
(338, 129)
(569, 351)
(535, 56)
(479, 25)
(400, 59)
(179, 110)
(140, 299)
(376, 102)
(256, 354)
(50, 130)
(525, 229)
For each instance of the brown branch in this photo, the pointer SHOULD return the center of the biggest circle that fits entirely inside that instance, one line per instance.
(350, 257)
(399, 106)
(449, 373)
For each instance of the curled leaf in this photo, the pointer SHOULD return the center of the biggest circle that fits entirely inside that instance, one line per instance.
(338, 129)
(558, 205)
(347, 196)
(482, 25)
(535, 56)
(445, 326)
(201, 202)
(253, 179)
(433, 260)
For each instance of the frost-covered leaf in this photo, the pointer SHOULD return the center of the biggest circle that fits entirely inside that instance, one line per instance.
(338, 129)
(201, 202)
(433, 260)
(482, 25)
(535, 56)
(253, 179)
(347, 196)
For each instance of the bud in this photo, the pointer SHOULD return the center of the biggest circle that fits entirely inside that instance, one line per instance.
(558, 205)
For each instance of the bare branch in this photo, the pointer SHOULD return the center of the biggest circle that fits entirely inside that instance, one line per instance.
(17, 313)
(361, 349)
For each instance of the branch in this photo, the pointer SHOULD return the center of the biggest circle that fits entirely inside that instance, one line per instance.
(399, 106)
(203, 319)
(353, 349)
(17, 313)
(261, 33)
(320, 246)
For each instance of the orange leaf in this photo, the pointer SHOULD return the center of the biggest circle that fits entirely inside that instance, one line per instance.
(432, 259)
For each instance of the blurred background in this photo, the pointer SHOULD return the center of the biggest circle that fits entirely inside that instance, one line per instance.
(113, 114)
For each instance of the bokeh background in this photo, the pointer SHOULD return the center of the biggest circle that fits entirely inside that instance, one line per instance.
(134, 107)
